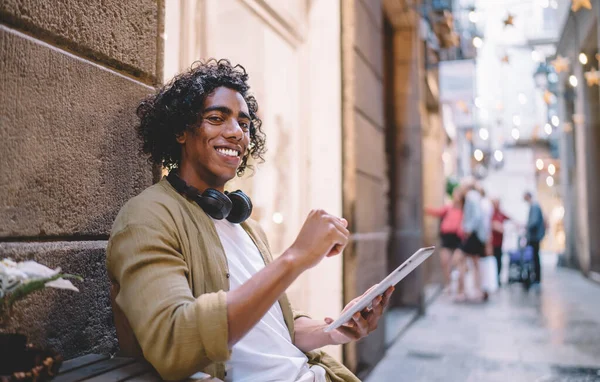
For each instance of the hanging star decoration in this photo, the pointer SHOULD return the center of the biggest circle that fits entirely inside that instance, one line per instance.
(592, 77)
(560, 64)
(578, 4)
(548, 97)
(462, 106)
(509, 20)
(505, 59)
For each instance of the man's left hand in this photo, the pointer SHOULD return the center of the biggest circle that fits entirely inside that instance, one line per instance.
(363, 322)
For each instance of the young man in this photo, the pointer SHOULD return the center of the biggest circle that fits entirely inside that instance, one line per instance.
(536, 230)
(202, 293)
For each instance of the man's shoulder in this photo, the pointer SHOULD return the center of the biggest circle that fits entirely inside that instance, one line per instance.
(154, 204)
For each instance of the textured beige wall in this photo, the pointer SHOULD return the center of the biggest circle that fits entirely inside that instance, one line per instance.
(72, 75)
(120, 34)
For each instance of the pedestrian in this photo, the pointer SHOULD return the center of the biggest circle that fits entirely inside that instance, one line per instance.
(194, 283)
(535, 232)
(498, 219)
(450, 231)
(473, 246)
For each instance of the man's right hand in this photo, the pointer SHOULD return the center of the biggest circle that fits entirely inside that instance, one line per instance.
(321, 235)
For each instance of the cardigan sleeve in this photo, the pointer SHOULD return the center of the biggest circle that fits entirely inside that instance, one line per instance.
(179, 334)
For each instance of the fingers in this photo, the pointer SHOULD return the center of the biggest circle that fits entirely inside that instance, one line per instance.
(361, 324)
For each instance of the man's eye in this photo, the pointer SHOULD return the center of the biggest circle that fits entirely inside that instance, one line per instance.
(245, 125)
(215, 119)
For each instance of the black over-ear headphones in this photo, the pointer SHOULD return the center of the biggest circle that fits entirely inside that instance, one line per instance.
(234, 206)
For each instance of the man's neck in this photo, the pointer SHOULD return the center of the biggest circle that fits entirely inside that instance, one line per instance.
(189, 175)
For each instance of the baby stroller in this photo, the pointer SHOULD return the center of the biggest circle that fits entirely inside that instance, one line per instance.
(521, 268)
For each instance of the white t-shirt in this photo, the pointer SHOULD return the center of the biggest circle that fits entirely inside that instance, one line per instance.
(266, 352)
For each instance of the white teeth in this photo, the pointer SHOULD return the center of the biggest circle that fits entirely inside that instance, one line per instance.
(228, 152)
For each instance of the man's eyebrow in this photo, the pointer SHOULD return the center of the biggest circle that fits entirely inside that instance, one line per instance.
(243, 114)
(222, 109)
(226, 110)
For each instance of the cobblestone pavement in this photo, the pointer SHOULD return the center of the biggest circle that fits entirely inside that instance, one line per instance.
(544, 335)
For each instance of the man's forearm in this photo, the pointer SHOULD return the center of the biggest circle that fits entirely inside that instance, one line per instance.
(309, 334)
(247, 304)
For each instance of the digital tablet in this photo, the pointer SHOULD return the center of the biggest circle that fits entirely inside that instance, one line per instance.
(392, 279)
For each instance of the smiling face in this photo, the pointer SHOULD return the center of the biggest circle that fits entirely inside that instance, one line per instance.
(213, 150)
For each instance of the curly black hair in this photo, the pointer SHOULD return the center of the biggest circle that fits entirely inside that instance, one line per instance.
(177, 107)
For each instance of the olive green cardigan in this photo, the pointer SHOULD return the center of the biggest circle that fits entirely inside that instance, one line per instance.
(166, 258)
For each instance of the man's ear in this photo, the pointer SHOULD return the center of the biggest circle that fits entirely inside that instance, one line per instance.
(181, 138)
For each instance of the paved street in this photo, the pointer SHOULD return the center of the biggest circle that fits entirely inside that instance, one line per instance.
(546, 335)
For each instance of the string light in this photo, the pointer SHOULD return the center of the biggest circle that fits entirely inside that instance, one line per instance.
(477, 42)
(583, 58)
(277, 218)
(548, 129)
(478, 102)
(550, 181)
(484, 134)
(539, 164)
(478, 155)
(498, 155)
(545, 3)
(515, 133)
(473, 17)
(551, 169)
(573, 80)
(516, 120)
(555, 121)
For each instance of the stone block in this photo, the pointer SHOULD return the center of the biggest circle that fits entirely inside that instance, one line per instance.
(69, 149)
(369, 38)
(368, 91)
(72, 323)
(123, 34)
(371, 205)
(370, 148)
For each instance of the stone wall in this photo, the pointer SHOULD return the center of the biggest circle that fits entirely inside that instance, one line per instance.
(72, 75)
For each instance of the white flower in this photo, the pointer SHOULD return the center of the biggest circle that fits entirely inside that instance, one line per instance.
(13, 274)
(34, 270)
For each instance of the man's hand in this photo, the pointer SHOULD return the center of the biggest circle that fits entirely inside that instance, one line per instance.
(362, 323)
(321, 235)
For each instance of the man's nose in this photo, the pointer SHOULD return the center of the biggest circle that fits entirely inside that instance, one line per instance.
(234, 130)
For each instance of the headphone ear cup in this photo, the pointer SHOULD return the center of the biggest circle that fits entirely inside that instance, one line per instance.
(216, 204)
(242, 207)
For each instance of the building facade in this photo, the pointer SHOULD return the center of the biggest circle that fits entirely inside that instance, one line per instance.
(579, 140)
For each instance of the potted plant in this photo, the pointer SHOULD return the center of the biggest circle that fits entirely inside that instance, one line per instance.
(22, 361)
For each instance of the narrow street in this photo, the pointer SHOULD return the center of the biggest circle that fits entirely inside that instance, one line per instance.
(545, 335)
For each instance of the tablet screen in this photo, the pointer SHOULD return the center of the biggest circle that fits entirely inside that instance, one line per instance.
(392, 279)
